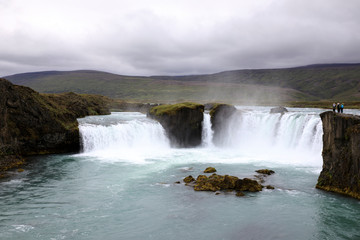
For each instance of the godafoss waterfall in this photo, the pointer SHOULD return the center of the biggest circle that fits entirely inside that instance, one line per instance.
(125, 184)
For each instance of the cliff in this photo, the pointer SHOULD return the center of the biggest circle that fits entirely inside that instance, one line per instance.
(341, 154)
(32, 123)
(182, 122)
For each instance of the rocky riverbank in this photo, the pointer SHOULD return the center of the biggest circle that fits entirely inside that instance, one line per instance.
(33, 123)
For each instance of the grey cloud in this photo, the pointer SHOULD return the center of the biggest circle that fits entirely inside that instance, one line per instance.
(145, 42)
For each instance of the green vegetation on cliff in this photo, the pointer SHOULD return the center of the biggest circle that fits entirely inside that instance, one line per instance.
(172, 109)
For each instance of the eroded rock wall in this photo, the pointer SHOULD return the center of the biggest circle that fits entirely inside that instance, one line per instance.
(341, 154)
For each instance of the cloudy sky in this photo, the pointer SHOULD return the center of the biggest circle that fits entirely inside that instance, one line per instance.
(173, 37)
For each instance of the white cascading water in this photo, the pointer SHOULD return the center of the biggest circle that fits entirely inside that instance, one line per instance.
(207, 132)
(132, 138)
(259, 134)
(294, 137)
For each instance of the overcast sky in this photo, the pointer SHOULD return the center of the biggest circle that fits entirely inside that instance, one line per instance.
(173, 37)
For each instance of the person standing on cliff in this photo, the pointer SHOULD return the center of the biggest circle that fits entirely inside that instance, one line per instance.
(342, 107)
(338, 107)
(334, 107)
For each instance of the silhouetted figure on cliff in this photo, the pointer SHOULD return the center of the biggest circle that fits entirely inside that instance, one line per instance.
(338, 107)
(342, 107)
(334, 107)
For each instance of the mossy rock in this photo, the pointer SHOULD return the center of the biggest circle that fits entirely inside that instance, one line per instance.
(209, 170)
(201, 178)
(216, 183)
(182, 122)
(265, 171)
(248, 184)
(189, 179)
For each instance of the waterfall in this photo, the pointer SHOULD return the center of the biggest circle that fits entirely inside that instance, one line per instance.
(207, 132)
(122, 136)
(253, 133)
(261, 134)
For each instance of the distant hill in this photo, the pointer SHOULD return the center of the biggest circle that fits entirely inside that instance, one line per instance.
(338, 82)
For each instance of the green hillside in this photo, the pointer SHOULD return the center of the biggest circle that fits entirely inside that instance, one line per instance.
(339, 82)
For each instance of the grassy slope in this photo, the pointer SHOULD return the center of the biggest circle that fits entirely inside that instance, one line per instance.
(328, 82)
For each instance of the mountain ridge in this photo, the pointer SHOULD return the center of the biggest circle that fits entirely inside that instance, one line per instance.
(311, 82)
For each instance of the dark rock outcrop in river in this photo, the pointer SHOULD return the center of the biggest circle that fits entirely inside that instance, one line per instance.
(228, 183)
(33, 123)
(220, 183)
(221, 115)
(182, 122)
(341, 154)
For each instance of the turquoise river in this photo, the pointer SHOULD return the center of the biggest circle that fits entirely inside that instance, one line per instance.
(123, 184)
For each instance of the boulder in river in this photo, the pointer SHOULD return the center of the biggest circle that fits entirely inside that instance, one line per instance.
(218, 182)
(265, 171)
(209, 170)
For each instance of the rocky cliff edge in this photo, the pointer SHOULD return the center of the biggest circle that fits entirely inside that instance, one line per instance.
(341, 154)
(33, 123)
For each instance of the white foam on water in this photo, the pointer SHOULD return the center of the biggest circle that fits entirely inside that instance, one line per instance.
(22, 228)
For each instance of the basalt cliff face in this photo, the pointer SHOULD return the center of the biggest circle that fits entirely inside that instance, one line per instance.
(33, 123)
(341, 154)
(182, 122)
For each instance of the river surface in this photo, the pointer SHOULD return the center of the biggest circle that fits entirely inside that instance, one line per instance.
(122, 184)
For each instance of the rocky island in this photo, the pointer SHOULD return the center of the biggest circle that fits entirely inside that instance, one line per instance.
(182, 122)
